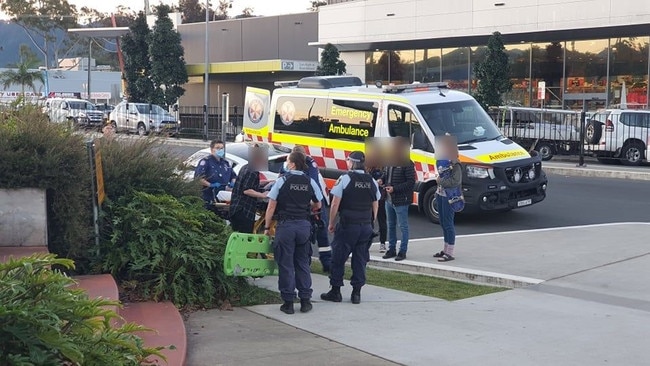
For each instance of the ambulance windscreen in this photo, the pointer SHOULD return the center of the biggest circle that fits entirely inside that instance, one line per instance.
(465, 120)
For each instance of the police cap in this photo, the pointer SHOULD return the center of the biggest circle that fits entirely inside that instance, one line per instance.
(357, 157)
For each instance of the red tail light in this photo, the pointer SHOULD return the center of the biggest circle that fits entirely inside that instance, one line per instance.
(609, 126)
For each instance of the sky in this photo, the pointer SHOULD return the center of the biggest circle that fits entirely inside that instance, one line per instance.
(260, 7)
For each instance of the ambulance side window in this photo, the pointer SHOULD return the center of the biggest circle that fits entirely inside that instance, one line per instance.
(402, 122)
(301, 115)
(351, 119)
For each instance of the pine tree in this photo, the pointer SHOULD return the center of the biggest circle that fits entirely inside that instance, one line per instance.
(330, 62)
(168, 70)
(137, 67)
(493, 73)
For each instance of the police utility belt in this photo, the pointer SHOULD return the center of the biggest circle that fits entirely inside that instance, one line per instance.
(280, 219)
(349, 219)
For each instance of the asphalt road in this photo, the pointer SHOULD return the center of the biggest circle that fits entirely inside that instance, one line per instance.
(571, 201)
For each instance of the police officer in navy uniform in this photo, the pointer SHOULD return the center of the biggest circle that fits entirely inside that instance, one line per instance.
(214, 173)
(322, 239)
(291, 200)
(356, 200)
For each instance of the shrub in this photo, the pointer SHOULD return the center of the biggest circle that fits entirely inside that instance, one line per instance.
(45, 321)
(35, 153)
(167, 248)
(143, 165)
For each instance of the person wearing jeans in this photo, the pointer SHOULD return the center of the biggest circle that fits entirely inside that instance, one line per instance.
(399, 181)
(447, 149)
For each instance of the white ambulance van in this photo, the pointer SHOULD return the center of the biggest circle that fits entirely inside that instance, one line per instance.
(333, 115)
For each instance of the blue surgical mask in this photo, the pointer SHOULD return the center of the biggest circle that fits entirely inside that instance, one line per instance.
(220, 153)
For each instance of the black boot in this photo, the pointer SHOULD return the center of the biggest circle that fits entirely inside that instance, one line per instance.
(287, 307)
(356, 295)
(305, 306)
(334, 295)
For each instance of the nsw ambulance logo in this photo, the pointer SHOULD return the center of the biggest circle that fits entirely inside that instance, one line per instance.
(255, 110)
(287, 113)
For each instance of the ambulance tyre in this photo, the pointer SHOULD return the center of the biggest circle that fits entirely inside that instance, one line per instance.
(429, 205)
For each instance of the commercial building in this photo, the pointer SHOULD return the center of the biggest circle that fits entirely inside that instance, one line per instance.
(581, 49)
(247, 52)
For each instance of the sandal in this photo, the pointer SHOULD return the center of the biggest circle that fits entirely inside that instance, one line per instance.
(440, 254)
(446, 258)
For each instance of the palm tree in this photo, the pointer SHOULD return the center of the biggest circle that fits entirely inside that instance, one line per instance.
(24, 74)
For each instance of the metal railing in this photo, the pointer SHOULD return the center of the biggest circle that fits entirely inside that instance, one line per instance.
(192, 120)
(611, 136)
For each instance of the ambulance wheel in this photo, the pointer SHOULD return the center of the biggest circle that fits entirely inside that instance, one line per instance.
(429, 203)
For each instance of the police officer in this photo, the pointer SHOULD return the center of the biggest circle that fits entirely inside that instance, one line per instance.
(214, 173)
(322, 239)
(356, 196)
(292, 199)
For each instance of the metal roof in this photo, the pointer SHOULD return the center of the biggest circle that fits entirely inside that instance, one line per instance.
(107, 32)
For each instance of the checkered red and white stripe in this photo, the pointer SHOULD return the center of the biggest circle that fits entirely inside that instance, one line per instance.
(336, 159)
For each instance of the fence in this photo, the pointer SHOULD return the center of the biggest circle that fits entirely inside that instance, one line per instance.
(611, 136)
(193, 118)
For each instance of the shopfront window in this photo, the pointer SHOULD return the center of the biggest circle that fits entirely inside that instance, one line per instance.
(455, 67)
(427, 65)
(548, 66)
(586, 73)
(373, 70)
(629, 66)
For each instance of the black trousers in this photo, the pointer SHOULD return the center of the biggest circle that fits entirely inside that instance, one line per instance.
(381, 221)
(240, 223)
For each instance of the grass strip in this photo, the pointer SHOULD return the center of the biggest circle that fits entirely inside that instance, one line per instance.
(419, 284)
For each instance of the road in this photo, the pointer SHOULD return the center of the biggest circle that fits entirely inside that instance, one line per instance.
(571, 201)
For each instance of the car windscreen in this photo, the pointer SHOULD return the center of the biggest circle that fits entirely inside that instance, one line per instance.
(81, 106)
(464, 119)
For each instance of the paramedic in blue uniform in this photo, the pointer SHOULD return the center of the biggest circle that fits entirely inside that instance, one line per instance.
(322, 239)
(356, 201)
(214, 173)
(291, 201)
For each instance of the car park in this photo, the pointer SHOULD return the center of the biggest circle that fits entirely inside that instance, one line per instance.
(237, 156)
(619, 135)
(80, 112)
(142, 118)
(106, 109)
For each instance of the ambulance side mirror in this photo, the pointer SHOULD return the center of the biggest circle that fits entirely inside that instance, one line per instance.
(419, 141)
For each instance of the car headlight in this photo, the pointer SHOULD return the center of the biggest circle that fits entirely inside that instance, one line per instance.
(82, 115)
(478, 172)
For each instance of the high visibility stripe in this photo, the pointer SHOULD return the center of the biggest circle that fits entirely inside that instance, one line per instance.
(324, 249)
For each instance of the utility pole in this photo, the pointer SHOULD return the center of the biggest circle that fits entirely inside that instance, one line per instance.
(206, 75)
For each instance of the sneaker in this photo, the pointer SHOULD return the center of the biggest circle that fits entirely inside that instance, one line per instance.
(287, 307)
(382, 248)
(390, 254)
(401, 256)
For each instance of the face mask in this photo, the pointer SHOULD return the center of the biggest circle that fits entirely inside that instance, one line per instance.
(220, 153)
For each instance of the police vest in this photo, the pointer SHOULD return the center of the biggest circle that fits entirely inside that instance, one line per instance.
(357, 199)
(294, 198)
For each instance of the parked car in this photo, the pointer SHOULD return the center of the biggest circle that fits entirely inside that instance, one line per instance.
(78, 111)
(106, 109)
(237, 155)
(619, 135)
(142, 118)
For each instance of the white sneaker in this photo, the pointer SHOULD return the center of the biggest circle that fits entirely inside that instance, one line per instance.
(382, 248)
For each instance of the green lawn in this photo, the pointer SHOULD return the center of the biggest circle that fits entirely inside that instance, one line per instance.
(420, 284)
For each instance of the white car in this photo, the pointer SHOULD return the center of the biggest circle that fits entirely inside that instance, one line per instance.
(142, 118)
(237, 155)
(619, 134)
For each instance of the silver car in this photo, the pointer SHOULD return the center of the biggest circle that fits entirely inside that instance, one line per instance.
(82, 113)
(142, 118)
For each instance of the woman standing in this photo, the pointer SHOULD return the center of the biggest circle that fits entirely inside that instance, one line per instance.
(447, 149)
(292, 199)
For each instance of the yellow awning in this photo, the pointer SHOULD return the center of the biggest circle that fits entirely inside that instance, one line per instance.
(238, 67)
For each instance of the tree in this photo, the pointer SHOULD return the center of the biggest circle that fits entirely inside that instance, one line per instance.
(330, 62)
(247, 12)
(315, 5)
(43, 21)
(493, 73)
(137, 66)
(193, 11)
(222, 10)
(26, 73)
(168, 71)
(390, 66)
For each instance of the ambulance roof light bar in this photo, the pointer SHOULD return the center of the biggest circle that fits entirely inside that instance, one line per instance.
(286, 84)
(415, 87)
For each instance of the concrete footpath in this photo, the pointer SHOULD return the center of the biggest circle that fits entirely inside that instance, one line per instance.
(589, 305)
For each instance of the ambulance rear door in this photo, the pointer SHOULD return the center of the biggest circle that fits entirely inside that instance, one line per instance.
(257, 116)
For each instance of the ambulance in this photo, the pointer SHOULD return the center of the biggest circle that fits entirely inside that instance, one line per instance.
(334, 115)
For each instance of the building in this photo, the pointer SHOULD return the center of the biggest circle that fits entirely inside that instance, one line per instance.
(248, 52)
(581, 49)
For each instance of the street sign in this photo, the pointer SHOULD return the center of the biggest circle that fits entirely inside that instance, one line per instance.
(541, 90)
